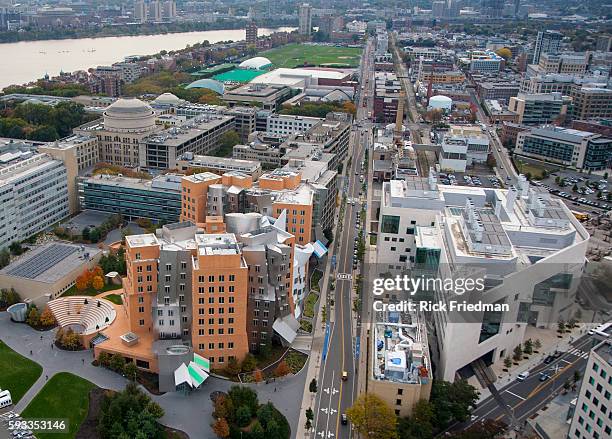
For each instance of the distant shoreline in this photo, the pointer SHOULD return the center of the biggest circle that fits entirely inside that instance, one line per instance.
(128, 31)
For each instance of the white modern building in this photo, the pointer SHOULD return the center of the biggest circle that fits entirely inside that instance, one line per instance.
(463, 146)
(286, 124)
(33, 194)
(526, 248)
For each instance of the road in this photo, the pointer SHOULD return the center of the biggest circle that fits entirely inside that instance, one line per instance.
(335, 395)
(519, 400)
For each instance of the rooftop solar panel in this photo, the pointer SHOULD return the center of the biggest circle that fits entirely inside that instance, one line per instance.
(43, 261)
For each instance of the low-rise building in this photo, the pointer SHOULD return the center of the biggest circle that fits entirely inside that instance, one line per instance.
(158, 199)
(565, 146)
(46, 272)
(199, 135)
(268, 97)
(218, 165)
(285, 124)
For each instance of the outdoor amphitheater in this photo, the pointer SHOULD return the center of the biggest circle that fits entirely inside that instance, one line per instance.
(83, 314)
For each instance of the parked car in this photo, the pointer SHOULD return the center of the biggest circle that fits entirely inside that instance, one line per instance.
(523, 376)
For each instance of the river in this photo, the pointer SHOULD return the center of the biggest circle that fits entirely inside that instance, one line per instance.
(27, 61)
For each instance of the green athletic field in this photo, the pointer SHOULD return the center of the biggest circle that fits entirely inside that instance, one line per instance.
(295, 55)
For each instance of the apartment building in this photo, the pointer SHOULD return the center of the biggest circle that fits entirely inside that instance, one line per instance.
(525, 246)
(592, 418)
(158, 199)
(34, 195)
(386, 96)
(546, 41)
(565, 146)
(199, 135)
(484, 61)
(538, 109)
(501, 91)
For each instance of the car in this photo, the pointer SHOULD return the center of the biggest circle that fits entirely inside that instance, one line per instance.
(522, 376)
(549, 359)
(502, 167)
(557, 354)
(498, 149)
(356, 172)
(343, 419)
(344, 375)
(544, 376)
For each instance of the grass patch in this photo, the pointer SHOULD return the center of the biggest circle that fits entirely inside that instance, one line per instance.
(532, 170)
(72, 291)
(295, 360)
(305, 325)
(314, 280)
(115, 298)
(309, 304)
(294, 55)
(18, 372)
(64, 396)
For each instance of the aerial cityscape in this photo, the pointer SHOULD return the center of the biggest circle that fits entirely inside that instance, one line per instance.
(305, 219)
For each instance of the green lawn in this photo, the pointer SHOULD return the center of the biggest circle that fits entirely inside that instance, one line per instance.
(72, 291)
(309, 304)
(64, 396)
(294, 55)
(115, 298)
(17, 373)
(534, 170)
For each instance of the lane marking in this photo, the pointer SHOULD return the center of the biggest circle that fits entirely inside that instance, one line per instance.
(514, 394)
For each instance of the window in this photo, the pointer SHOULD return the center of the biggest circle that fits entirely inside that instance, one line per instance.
(390, 224)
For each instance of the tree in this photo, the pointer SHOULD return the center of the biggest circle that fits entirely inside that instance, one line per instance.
(561, 326)
(528, 347)
(537, 344)
(309, 414)
(517, 353)
(5, 258)
(232, 368)
(243, 416)
(313, 386)
(82, 282)
(282, 369)
(257, 376)
(244, 396)
(85, 234)
(505, 53)
(33, 317)
(575, 188)
(226, 143)
(452, 401)
(372, 417)
(507, 362)
(9, 297)
(104, 359)
(94, 235)
(97, 283)
(47, 318)
(117, 362)
(44, 133)
(130, 370)
(577, 376)
(221, 428)
(16, 248)
(249, 363)
(572, 323)
(224, 408)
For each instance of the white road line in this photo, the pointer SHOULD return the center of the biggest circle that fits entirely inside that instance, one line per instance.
(565, 361)
(514, 394)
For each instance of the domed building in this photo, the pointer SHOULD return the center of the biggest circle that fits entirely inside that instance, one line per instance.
(257, 63)
(167, 100)
(125, 123)
(209, 84)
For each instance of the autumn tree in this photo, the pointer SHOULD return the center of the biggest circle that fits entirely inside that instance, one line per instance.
(505, 53)
(97, 283)
(257, 376)
(221, 428)
(373, 418)
(82, 282)
(282, 369)
(33, 317)
(47, 318)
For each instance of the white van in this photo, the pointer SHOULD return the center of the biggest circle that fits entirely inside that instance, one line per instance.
(5, 399)
(522, 376)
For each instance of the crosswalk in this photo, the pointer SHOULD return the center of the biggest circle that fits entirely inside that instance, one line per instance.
(578, 353)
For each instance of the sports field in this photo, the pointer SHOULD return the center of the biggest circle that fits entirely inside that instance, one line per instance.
(294, 55)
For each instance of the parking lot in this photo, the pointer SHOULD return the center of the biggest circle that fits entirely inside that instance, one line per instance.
(4, 427)
(580, 190)
(469, 179)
